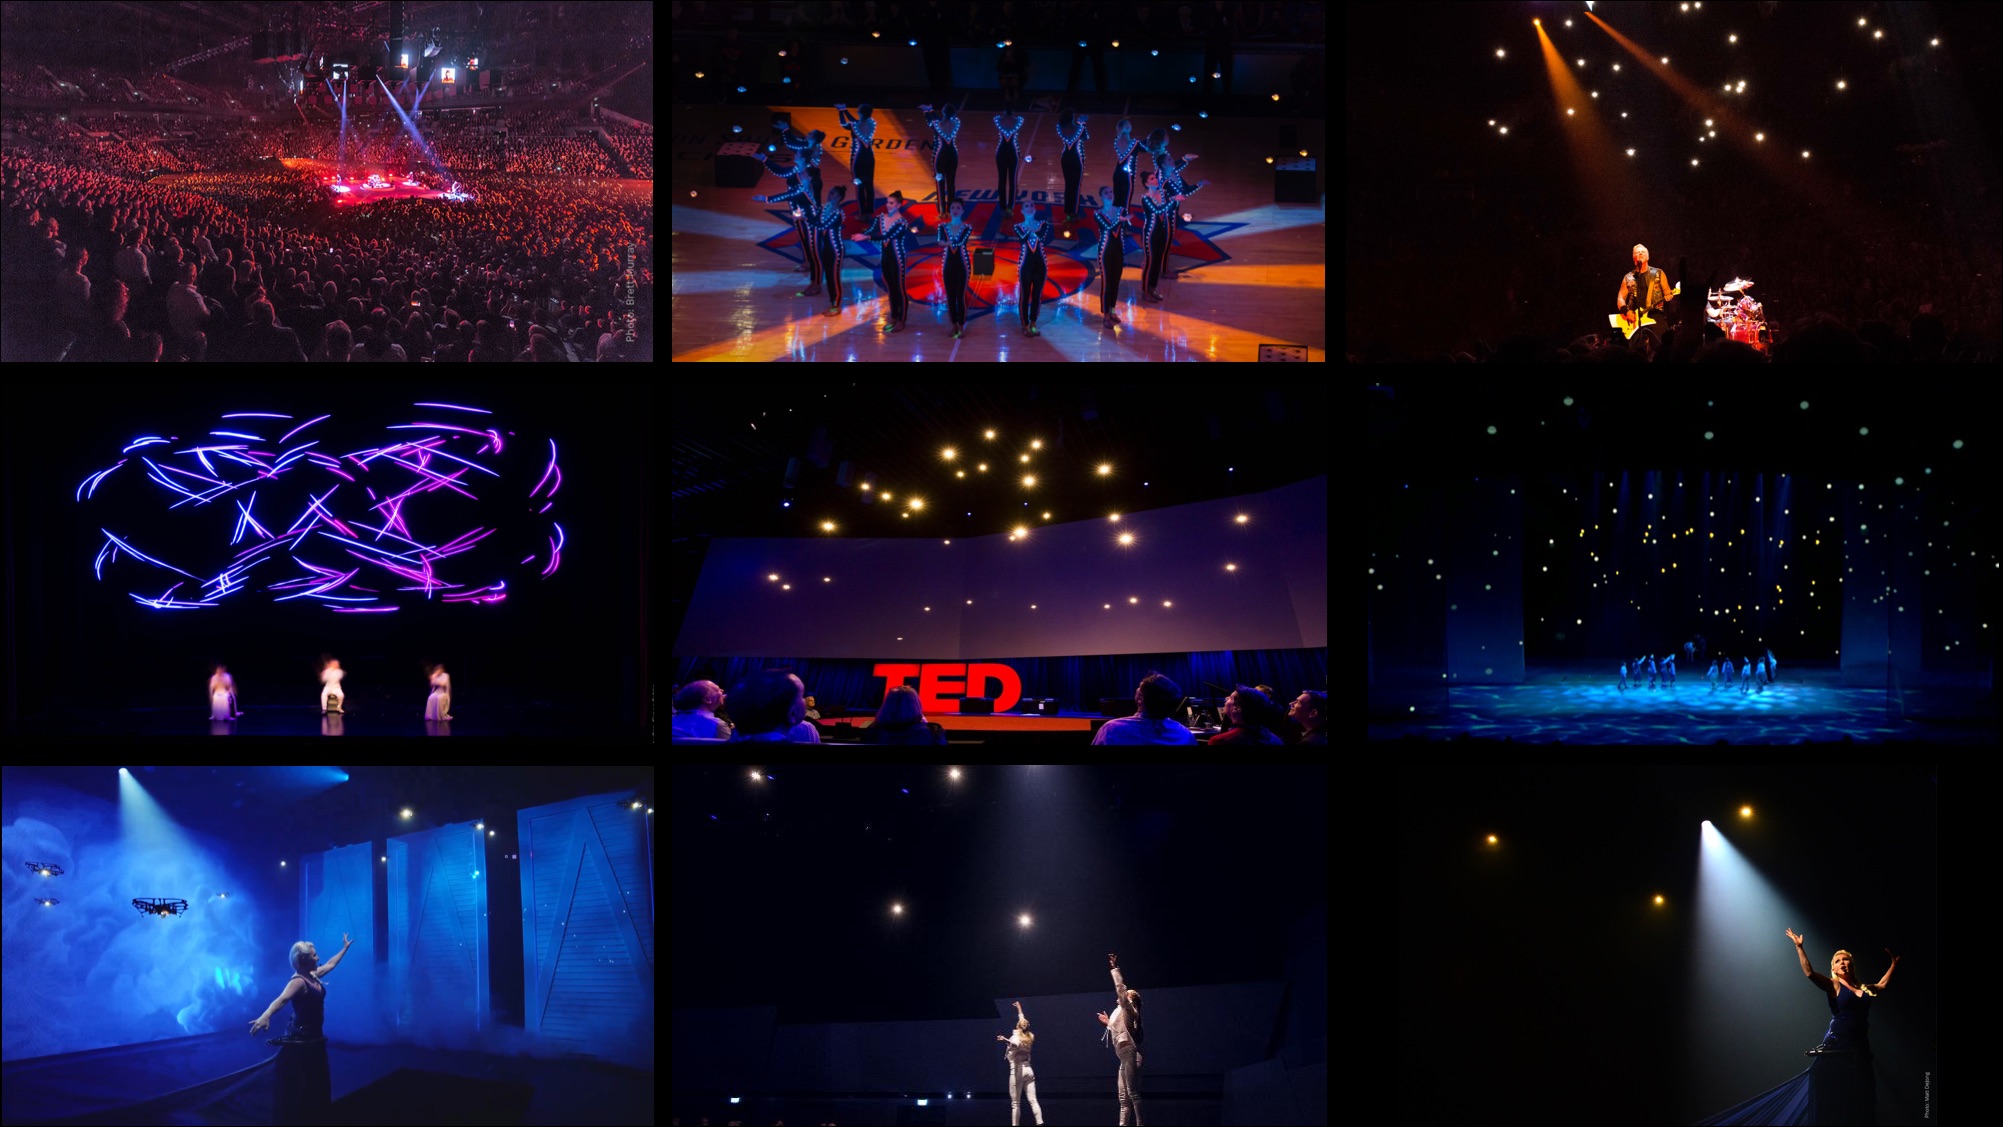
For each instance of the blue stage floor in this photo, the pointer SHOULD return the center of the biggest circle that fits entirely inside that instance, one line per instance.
(1806, 706)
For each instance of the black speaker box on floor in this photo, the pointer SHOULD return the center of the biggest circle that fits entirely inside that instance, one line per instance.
(978, 706)
(984, 262)
(1294, 181)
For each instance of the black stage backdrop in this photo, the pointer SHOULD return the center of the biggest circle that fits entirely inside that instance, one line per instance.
(1076, 682)
(576, 640)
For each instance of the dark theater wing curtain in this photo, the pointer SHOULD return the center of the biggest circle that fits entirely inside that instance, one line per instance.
(1076, 682)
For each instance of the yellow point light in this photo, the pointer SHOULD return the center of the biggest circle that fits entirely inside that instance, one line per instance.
(1114, 517)
(983, 467)
(1025, 457)
(1230, 567)
(1499, 53)
(989, 434)
(1105, 469)
(1046, 516)
(1130, 598)
(917, 502)
(1242, 518)
(1759, 136)
(1745, 811)
(886, 496)
(959, 473)
(827, 526)
(773, 578)
(1126, 538)
(1029, 481)
(1036, 444)
(1022, 530)
(1840, 84)
(1658, 899)
(1491, 839)
(949, 453)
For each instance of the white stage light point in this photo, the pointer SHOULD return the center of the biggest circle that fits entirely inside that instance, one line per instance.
(409, 813)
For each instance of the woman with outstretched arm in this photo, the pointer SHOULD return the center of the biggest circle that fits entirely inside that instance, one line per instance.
(1839, 1083)
(1123, 1032)
(1021, 1077)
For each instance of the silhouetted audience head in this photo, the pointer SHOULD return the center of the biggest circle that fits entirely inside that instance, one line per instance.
(1157, 696)
(767, 701)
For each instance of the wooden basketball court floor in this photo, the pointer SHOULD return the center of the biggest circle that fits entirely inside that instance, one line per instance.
(1250, 272)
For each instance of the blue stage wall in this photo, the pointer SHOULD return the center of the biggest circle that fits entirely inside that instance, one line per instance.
(1066, 588)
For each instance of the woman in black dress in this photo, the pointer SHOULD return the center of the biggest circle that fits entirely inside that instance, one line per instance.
(1125, 149)
(303, 1092)
(862, 153)
(1071, 130)
(953, 235)
(1034, 231)
(1005, 163)
(1113, 232)
(1157, 229)
(1839, 1086)
(804, 201)
(828, 247)
(893, 231)
(945, 151)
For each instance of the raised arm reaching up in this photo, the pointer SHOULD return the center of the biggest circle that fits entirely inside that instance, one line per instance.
(1820, 980)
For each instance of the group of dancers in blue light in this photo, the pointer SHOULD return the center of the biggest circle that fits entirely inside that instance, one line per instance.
(818, 218)
(1750, 676)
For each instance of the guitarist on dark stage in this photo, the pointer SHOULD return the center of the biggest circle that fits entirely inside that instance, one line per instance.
(1641, 293)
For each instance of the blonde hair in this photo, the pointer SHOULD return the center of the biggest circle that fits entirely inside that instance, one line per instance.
(1022, 1027)
(1838, 955)
(301, 961)
(1638, 247)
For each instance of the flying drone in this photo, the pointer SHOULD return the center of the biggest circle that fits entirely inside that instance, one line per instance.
(47, 903)
(45, 868)
(158, 906)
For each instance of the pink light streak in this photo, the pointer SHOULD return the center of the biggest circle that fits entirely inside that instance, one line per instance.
(436, 426)
(547, 472)
(363, 610)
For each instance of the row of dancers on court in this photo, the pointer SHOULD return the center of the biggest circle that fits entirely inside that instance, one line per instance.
(223, 705)
(1750, 676)
(945, 125)
(819, 227)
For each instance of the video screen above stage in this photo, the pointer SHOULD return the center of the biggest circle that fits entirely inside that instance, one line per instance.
(1242, 573)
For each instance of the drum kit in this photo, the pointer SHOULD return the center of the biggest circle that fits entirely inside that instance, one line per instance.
(1737, 315)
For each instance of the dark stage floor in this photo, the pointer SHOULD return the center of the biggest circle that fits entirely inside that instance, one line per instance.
(532, 722)
(1584, 706)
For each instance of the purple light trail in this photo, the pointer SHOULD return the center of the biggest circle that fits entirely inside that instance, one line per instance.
(454, 407)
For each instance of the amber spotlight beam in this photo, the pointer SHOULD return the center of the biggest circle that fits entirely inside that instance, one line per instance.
(1611, 191)
(1771, 153)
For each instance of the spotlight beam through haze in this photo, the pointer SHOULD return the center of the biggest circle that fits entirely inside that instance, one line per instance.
(1751, 1011)
(1735, 130)
(1609, 189)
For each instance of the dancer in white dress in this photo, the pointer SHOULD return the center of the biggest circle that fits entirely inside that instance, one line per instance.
(1021, 1077)
(222, 694)
(438, 706)
(330, 686)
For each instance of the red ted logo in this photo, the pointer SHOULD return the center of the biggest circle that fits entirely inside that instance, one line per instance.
(940, 687)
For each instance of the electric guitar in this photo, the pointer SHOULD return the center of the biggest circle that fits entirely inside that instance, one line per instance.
(1632, 321)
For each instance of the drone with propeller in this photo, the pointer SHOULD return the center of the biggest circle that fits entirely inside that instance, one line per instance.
(45, 868)
(158, 906)
(47, 903)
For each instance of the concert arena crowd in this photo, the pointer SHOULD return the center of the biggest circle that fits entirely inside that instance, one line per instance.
(135, 233)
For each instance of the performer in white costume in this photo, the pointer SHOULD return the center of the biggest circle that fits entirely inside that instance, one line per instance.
(1021, 1077)
(439, 705)
(330, 686)
(222, 695)
(1123, 1033)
